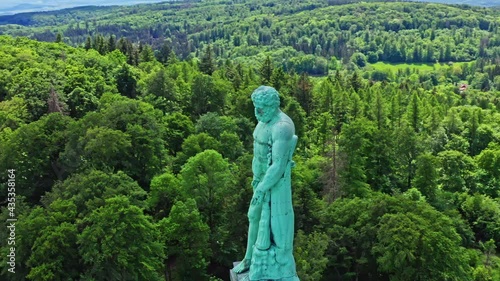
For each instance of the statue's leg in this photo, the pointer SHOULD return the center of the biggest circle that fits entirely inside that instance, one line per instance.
(254, 214)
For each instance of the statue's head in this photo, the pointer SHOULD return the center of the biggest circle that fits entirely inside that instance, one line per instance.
(266, 101)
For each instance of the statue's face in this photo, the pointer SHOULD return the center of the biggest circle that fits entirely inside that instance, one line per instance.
(264, 113)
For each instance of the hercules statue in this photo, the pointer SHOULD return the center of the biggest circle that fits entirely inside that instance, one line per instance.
(269, 252)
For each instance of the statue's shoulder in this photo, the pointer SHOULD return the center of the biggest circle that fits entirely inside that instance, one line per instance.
(285, 120)
(284, 126)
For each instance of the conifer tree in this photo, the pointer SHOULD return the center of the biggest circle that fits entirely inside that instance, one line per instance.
(88, 43)
(100, 46)
(414, 113)
(304, 93)
(356, 81)
(266, 71)
(59, 37)
(207, 63)
(164, 52)
(278, 78)
(111, 43)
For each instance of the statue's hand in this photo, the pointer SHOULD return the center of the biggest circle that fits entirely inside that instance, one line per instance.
(255, 183)
(253, 212)
(257, 198)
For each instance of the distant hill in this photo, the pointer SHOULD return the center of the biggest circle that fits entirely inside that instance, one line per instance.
(402, 32)
(27, 6)
(485, 3)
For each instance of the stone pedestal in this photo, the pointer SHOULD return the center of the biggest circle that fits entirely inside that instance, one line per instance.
(238, 277)
(245, 276)
(272, 264)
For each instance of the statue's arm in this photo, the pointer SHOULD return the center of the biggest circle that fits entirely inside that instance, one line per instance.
(256, 178)
(282, 134)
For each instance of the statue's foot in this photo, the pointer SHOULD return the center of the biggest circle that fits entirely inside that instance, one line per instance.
(243, 266)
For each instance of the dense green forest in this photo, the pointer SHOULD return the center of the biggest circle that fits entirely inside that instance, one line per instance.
(486, 3)
(300, 35)
(130, 137)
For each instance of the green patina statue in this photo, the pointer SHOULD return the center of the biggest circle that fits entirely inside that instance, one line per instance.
(269, 253)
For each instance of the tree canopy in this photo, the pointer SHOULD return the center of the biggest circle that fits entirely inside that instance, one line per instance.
(131, 138)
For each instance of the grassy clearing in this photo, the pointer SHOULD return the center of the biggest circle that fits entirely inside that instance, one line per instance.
(422, 67)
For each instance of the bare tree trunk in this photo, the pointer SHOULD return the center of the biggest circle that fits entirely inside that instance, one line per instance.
(331, 179)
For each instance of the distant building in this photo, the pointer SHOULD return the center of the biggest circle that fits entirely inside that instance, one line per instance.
(463, 87)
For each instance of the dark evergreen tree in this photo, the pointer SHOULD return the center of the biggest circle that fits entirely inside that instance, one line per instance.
(266, 71)
(163, 53)
(88, 43)
(111, 43)
(303, 93)
(207, 63)
(126, 82)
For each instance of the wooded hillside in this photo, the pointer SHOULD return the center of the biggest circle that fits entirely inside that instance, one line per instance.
(132, 158)
(312, 30)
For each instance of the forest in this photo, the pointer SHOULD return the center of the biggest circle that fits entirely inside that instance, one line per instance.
(126, 139)
(485, 3)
